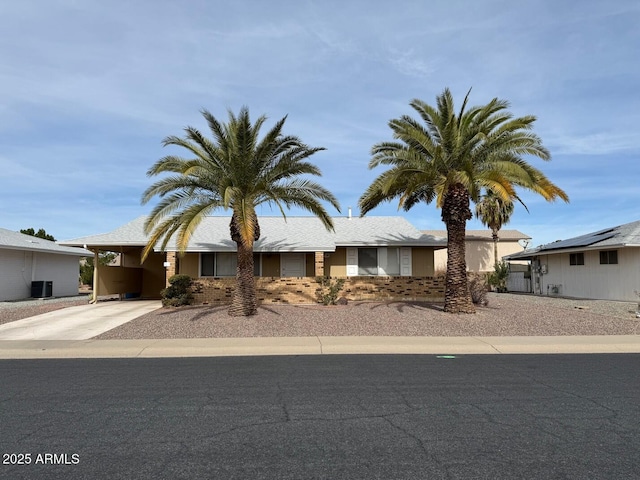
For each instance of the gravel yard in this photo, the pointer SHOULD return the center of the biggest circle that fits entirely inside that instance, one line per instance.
(506, 315)
(17, 310)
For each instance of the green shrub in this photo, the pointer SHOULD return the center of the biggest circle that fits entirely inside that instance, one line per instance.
(328, 292)
(498, 278)
(86, 274)
(178, 292)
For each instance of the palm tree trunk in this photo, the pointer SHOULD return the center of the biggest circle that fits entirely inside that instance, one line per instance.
(494, 235)
(244, 302)
(455, 213)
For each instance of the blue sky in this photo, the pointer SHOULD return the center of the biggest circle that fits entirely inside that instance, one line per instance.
(89, 90)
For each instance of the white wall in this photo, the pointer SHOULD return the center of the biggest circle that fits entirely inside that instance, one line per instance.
(62, 270)
(592, 280)
(15, 274)
(19, 268)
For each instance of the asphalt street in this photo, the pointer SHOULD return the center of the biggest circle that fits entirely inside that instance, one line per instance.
(333, 417)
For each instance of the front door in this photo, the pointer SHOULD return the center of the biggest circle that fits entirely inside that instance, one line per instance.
(292, 265)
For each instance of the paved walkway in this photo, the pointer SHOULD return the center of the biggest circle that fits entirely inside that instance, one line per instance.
(77, 323)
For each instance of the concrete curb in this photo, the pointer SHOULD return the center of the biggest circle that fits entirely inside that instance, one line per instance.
(254, 346)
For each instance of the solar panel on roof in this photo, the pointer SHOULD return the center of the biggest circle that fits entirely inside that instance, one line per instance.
(582, 241)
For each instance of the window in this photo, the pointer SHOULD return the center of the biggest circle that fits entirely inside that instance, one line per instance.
(224, 264)
(367, 261)
(609, 257)
(207, 261)
(389, 261)
(576, 258)
(379, 261)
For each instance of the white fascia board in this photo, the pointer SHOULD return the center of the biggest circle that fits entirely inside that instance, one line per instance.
(392, 244)
(294, 250)
(105, 244)
(80, 253)
(226, 248)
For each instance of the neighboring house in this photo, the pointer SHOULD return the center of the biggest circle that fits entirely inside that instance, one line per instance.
(479, 248)
(381, 257)
(600, 265)
(25, 259)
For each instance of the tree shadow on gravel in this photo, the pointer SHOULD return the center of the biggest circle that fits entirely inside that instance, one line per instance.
(222, 309)
(270, 310)
(403, 305)
(199, 311)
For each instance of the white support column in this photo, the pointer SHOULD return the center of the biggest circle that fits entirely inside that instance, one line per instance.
(94, 298)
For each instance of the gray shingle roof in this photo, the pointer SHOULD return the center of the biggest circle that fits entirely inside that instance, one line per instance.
(483, 234)
(11, 240)
(278, 234)
(379, 231)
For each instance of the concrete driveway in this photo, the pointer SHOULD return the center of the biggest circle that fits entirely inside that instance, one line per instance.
(77, 323)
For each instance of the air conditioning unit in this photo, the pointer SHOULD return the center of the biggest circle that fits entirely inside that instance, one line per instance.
(40, 289)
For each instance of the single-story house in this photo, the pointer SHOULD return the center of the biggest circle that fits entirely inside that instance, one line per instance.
(34, 267)
(600, 265)
(479, 248)
(380, 257)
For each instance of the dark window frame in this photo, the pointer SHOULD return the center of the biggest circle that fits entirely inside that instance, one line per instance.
(608, 257)
(576, 258)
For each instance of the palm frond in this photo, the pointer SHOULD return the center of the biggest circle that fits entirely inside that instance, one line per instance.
(476, 148)
(236, 169)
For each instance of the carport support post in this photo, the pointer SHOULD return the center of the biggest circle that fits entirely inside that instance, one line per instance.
(96, 262)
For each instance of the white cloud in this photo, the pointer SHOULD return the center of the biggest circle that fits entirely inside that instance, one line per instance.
(595, 144)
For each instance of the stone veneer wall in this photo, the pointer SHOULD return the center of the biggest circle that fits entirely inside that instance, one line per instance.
(303, 289)
(171, 269)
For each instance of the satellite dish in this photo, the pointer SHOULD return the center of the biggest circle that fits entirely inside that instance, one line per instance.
(524, 242)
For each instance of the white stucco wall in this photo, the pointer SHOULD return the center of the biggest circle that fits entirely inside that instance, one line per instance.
(15, 274)
(62, 270)
(18, 268)
(592, 280)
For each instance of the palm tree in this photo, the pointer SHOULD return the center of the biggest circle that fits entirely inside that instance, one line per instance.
(449, 159)
(235, 171)
(494, 212)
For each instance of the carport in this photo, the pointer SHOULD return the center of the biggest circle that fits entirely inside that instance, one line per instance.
(127, 277)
